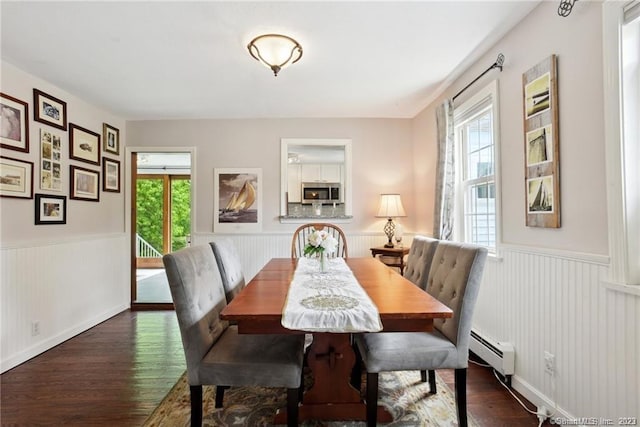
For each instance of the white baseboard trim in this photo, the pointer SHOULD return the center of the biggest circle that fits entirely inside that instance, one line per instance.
(53, 341)
(537, 398)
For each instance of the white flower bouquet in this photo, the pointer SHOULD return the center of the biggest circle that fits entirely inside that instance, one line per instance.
(320, 242)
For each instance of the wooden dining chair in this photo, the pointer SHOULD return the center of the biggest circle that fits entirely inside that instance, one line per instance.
(300, 236)
(215, 352)
(454, 279)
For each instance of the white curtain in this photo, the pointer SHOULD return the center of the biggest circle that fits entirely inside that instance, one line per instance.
(445, 173)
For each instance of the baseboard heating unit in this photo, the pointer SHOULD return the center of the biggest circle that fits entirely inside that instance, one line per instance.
(500, 355)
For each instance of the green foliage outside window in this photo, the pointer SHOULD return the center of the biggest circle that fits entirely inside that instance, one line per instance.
(149, 212)
(180, 213)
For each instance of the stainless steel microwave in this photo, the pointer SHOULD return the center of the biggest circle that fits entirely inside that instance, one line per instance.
(323, 192)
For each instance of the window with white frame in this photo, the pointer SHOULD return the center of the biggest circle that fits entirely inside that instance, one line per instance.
(476, 147)
(621, 42)
(631, 133)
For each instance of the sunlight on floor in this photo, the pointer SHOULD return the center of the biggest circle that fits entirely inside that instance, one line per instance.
(152, 286)
(143, 273)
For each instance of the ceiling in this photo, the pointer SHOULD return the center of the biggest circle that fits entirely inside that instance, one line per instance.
(163, 60)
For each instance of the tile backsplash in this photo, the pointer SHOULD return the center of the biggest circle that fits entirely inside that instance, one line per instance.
(298, 210)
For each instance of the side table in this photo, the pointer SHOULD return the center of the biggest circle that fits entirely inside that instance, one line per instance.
(395, 256)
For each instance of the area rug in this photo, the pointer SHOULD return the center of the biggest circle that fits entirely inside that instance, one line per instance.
(402, 393)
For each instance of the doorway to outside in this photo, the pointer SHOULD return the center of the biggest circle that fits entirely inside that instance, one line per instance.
(161, 222)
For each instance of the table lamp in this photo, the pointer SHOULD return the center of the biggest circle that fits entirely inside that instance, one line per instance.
(390, 207)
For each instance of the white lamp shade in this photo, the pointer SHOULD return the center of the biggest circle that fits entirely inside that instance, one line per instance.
(390, 206)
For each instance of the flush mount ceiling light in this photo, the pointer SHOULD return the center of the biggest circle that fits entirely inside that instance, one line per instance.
(275, 51)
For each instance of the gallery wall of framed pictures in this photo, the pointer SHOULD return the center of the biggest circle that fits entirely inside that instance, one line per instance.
(38, 173)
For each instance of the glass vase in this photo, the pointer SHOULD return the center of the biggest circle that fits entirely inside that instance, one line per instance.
(324, 262)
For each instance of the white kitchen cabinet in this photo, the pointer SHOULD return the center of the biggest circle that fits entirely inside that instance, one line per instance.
(294, 186)
(329, 172)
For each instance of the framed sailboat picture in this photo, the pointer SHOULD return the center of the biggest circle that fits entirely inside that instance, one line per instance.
(237, 200)
(540, 195)
(541, 144)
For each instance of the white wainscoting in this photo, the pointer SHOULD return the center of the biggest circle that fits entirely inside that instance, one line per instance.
(66, 286)
(557, 301)
(257, 249)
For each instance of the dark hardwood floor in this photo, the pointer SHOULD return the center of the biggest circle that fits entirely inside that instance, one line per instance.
(116, 373)
(488, 402)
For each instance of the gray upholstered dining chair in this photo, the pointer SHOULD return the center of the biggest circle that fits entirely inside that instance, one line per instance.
(299, 240)
(454, 279)
(419, 260)
(215, 352)
(230, 267)
(417, 270)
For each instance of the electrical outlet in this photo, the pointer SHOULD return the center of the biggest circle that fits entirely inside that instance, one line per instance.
(549, 363)
(543, 413)
(35, 328)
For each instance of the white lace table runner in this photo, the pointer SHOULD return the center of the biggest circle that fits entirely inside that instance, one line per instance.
(332, 301)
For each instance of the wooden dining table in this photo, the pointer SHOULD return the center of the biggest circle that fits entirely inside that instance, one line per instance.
(403, 307)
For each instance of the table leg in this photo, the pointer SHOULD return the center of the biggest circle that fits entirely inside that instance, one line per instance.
(331, 358)
(332, 397)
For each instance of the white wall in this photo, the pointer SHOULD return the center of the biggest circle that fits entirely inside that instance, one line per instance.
(381, 149)
(546, 293)
(66, 277)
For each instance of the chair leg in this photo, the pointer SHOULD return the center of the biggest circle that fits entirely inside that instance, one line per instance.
(220, 395)
(432, 382)
(301, 388)
(292, 407)
(372, 399)
(423, 376)
(461, 395)
(356, 372)
(196, 405)
(308, 340)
